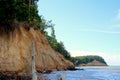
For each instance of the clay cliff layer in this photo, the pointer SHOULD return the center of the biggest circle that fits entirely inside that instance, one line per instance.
(15, 52)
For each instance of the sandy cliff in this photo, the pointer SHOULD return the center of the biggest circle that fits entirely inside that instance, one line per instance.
(15, 52)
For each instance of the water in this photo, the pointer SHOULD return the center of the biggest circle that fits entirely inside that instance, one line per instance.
(89, 73)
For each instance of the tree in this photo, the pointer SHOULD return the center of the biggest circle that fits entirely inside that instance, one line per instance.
(20, 10)
(6, 11)
(53, 32)
(57, 46)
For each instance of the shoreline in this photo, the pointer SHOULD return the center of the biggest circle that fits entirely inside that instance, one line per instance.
(54, 75)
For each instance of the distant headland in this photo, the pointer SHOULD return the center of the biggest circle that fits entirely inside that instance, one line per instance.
(90, 60)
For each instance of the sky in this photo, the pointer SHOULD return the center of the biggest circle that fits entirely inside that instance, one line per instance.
(86, 27)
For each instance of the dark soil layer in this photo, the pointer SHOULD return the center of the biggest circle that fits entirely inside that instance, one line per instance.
(14, 77)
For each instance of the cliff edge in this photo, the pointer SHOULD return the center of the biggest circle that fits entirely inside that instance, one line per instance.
(15, 52)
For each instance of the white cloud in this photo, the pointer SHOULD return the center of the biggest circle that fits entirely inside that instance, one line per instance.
(115, 21)
(116, 26)
(118, 15)
(100, 31)
(109, 58)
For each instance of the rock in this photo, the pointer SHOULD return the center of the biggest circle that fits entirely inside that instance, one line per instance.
(15, 52)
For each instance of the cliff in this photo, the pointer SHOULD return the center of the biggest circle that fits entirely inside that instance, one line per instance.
(15, 52)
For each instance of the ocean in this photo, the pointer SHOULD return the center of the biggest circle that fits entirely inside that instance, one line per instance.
(89, 73)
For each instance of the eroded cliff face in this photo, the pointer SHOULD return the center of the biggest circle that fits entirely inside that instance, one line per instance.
(15, 52)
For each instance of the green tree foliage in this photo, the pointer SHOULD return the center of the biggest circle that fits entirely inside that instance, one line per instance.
(57, 46)
(6, 11)
(44, 24)
(20, 10)
(60, 48)
(86, 59)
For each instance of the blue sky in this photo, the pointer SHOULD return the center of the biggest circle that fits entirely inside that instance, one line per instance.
(87, 27)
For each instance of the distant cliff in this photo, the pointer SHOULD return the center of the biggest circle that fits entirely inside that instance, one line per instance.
(93, 63)
(89, 61)
(15, 52)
